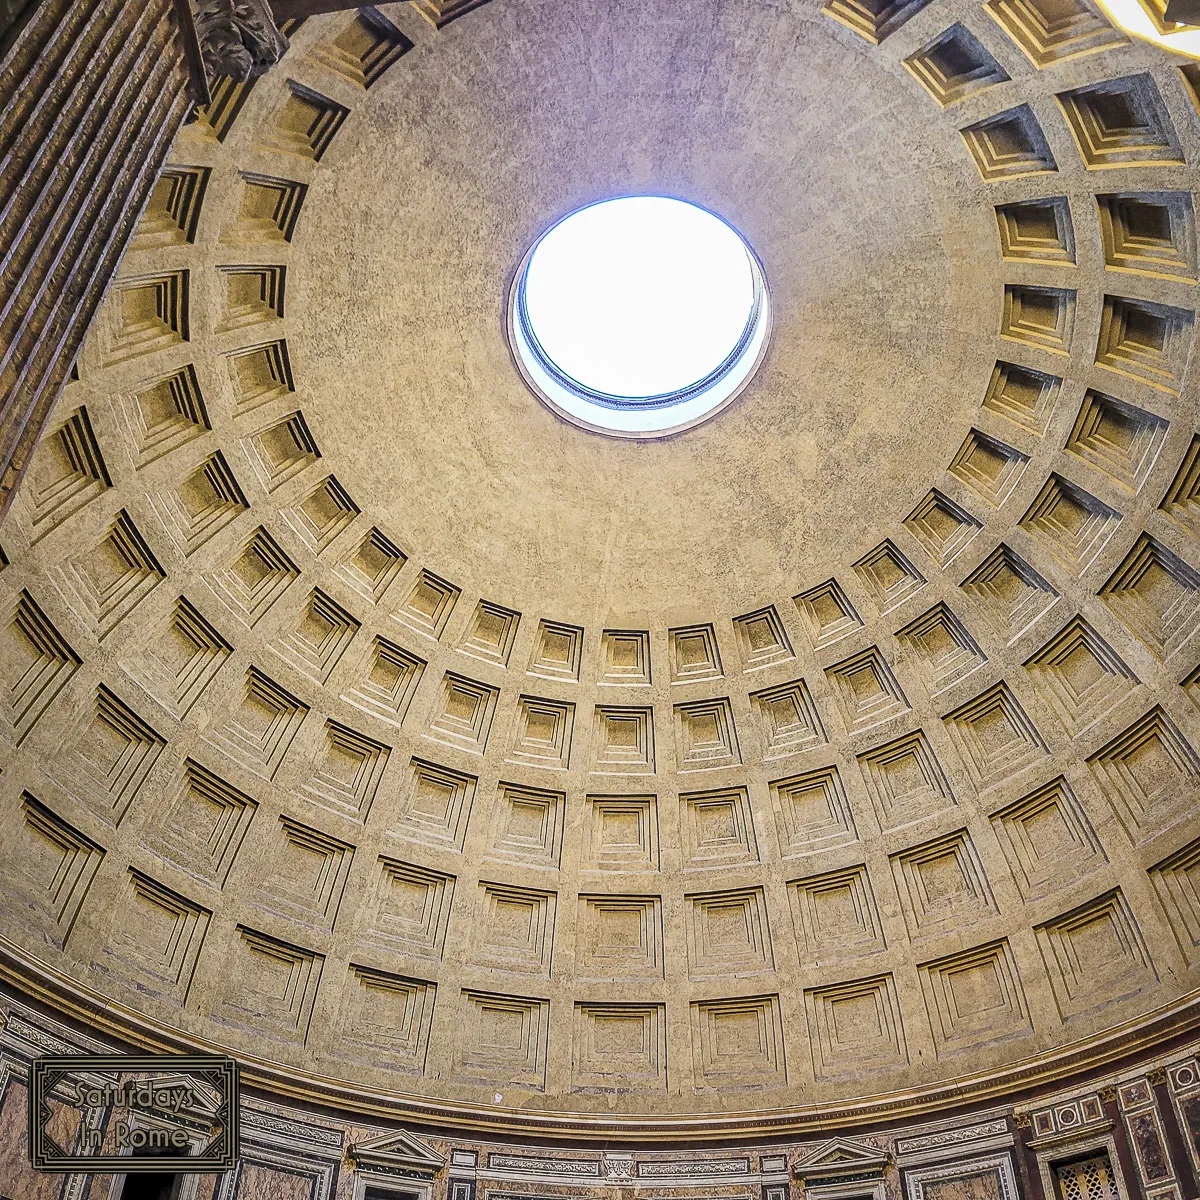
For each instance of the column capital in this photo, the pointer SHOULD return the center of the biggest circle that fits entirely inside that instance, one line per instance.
(238, 38)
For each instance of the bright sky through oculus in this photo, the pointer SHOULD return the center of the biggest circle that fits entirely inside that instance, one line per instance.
(1130, 16)
(639, 296)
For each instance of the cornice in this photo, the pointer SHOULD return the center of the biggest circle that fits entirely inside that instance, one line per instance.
(1120, 1045)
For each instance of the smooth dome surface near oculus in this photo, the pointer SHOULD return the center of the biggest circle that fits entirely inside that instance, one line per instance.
(639, 315)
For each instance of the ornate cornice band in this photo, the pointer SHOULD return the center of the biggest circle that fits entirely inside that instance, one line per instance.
(29, 977)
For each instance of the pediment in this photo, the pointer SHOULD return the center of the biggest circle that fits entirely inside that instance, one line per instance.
(204, 1102)
(842, 1155)
(397, 1150)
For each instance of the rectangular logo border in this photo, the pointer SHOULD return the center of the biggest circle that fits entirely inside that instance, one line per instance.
(223, 1155)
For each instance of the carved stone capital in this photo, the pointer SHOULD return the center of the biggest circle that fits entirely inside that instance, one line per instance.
(238, 38)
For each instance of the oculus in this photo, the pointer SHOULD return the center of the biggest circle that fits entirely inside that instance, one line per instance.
(639, 316)
(1174, 26)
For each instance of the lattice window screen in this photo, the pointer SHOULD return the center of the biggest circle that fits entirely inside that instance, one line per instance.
(1087, 1179)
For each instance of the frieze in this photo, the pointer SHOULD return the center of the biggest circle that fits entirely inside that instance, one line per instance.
(738, 1195)
(865, 1177)
(493, 1195)
(704, 1167)
(34, 1036)
(490, 1194)
(292, 1130)
(544, 1166)
(952, 1137)
(396, 1172)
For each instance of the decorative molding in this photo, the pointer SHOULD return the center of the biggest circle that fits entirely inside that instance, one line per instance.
(520, 1163)
(109, 1018)
(688, 1169)
(947, 1144)
(399, 1151)
(998, 1166)
(270, 1157)
(1068, 1125)
(283, 1130)
(618, 1168)
(838, 1160)
(952, 1137)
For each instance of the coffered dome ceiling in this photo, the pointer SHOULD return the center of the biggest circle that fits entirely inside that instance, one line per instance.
(365, 718)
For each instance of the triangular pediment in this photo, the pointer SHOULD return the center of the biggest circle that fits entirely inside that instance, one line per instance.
(200, 1102)
(397, 1149)
(842, 1154)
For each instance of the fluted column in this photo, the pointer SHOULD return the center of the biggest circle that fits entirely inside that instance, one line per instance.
(92, 93)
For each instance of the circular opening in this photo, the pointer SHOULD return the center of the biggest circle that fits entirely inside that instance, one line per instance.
(1176, 35)
(639, 316)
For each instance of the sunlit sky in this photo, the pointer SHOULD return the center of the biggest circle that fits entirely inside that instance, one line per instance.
(639, 296)
(1131, 17)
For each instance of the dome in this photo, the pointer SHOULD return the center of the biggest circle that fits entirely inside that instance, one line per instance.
(835, 757)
